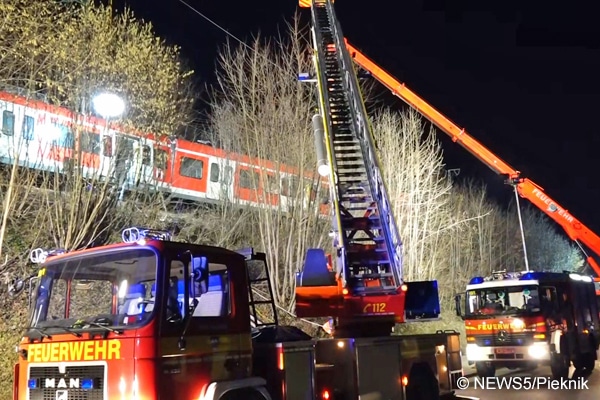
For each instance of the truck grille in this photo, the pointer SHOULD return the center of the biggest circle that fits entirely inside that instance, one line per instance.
(49, 384)
(509, 339)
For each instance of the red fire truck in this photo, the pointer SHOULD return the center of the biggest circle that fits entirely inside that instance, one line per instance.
(524, 319)
(155, 319)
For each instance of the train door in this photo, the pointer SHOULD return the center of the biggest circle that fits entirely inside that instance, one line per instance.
(270, 188)
(220, 179)
(7, 134)
(124, 173)
(190, 175)
(16, 137)
(106, 152)
(142, 163)
(162, 170)
(289, 193)
(247, 185)
(28, 149)
(89, 150)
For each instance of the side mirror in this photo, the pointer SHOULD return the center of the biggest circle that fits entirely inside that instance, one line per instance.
(457, 305)
(199, 268)
(200, 273)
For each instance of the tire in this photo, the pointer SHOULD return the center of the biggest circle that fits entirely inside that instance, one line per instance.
(586, 362)
(242, 394)
(422, 383)
(485, 369)
(559, 365)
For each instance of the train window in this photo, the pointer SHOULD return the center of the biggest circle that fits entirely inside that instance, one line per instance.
(90, 143)
(160, 159)
(271, 184)
(214, 172)
(63, 136)
(28, 128)
(8, 123)
(69, 139)
(191, 168)
(248, 179)
(107, 149)
(227, 174)
(310, 189)
(146, 156)
(289, 186)
(325, 195)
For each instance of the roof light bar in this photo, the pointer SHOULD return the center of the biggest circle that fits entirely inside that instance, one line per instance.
(135, 234)
(39, 255)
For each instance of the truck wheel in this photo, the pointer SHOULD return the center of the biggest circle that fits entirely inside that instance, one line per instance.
(485, 369)
(591, 362)
(242, 394)
(422, 383)
(559, 365)
(587, 362)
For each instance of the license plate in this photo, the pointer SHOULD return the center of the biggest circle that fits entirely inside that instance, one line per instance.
(505, 350)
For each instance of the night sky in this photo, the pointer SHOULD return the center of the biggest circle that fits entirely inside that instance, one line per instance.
(522, 79)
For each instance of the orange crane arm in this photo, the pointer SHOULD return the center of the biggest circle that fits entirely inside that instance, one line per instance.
(577, 231)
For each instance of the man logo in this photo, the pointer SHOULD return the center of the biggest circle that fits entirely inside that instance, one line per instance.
(62, 395)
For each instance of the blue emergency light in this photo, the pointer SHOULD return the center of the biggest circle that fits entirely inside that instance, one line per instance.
(306, 77)
(476, 280)
(529, 276)
(87, 384)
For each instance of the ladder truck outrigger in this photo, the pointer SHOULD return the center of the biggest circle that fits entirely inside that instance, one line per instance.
(153, 318)
(539, 317)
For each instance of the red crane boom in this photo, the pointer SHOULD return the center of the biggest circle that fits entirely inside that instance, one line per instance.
(526, 188)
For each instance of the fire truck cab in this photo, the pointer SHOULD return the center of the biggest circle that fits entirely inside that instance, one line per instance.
(146, 319)
(525, 319)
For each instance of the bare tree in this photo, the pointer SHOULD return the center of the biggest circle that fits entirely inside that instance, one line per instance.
(414, 171)
(262, 110)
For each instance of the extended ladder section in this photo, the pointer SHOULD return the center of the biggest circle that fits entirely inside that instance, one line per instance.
(367, 279)
(526, 188)
(368, 237)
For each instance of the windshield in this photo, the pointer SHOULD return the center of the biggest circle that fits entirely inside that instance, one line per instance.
(503, 300)
(104, 289)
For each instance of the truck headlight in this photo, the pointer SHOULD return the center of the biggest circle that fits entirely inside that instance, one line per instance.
(538, 351)
(474, 352)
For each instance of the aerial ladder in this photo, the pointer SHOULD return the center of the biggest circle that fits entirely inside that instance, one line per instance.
(526, 188)
(364, 293)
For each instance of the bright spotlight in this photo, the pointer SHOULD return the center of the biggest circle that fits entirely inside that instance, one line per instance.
(108, 105)
(323, 170)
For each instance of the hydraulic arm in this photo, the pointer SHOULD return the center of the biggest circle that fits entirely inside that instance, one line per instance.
(367, 282)
(576, 230)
